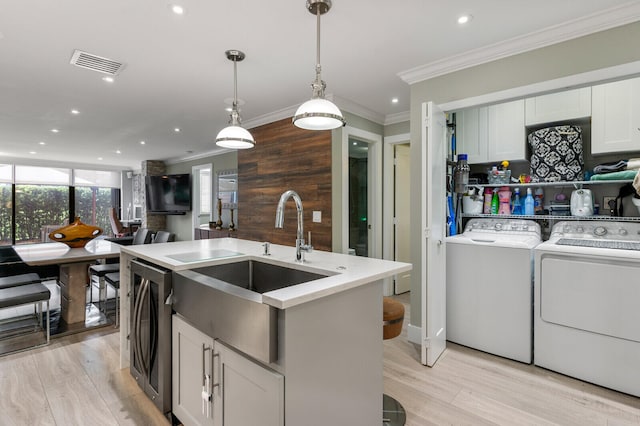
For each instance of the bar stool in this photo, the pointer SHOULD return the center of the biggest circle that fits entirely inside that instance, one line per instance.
(393, 413)
(113, 279)
(99, 271)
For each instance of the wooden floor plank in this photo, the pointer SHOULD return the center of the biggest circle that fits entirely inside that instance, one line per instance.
(496, 390)
(22, 401)
(79, 375)
(77, 402)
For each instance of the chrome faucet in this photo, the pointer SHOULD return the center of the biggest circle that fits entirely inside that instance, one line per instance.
(300, 245)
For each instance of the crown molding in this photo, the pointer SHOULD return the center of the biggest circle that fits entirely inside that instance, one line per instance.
(589, 78)
(611, 18)
(399, 117)
(271, 117)
(206, 154)
(359, 110)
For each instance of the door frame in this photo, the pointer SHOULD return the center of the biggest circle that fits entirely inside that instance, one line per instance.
(388, 193)
(195, 183)
(374, 182)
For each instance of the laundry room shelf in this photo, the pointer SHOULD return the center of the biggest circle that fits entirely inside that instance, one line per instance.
(577, 184)
(553, 217)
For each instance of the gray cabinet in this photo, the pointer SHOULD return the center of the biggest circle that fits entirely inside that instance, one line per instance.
(215, 385)
(249, 393)
(124, 293)
(192, 374)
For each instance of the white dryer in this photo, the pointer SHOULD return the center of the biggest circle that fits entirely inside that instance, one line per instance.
(490, 286)
(587, 303)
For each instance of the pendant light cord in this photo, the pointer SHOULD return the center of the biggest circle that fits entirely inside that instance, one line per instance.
(318, 42)
(235, 84)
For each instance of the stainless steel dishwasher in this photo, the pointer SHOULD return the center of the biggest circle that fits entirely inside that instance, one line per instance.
(150, 336)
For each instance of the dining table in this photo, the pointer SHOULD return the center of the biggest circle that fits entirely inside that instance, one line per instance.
(73, 265)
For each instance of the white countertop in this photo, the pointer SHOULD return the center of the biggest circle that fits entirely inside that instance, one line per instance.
(58, 253)
(346, 271)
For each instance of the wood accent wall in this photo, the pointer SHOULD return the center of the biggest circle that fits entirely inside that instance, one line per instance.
(285, 157)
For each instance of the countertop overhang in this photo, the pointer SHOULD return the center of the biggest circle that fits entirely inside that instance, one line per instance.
(345, 271)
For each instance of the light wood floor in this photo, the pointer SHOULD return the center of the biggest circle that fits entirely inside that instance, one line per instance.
(468, 387)
(76, 381)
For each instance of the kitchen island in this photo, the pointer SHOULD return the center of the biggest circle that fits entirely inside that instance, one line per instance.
(326, 367)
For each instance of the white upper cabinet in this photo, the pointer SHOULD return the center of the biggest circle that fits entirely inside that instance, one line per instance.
(615, 120)
(492, 133)
(505, 132)
(567, 105)
(468, 138)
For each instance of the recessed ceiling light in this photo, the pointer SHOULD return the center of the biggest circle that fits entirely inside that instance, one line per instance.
(464, 19)
(176, 129)
(177, 9)
(41, 143)
(142, 142)
(108, 79)
(99, 158)
(394, 100)
(118, 151)
(55, 130)
(32, 152)
(75, 112)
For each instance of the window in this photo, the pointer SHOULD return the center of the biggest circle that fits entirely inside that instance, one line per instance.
(6, 214)
(43, 200)
(39, 210)
(96, 191)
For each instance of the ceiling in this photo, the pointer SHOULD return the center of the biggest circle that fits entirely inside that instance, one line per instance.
(176, 74)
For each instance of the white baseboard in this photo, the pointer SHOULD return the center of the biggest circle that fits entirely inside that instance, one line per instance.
(413, 333)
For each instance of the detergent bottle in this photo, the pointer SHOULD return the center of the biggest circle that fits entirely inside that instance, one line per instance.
(504, 197)
(517, 206)
(494, 202)
(529, 204)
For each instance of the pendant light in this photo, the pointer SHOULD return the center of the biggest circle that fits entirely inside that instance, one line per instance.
(318, 113)
(234, 136)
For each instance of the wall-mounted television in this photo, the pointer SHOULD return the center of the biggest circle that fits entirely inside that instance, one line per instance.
(168, 194)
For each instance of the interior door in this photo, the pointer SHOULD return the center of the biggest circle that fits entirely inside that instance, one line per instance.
(402, 216)
(433, 279)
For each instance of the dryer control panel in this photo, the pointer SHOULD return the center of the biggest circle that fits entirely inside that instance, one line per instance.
(606, 230)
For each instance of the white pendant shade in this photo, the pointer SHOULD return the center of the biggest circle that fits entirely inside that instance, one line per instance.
(235, 137)
(318, 114)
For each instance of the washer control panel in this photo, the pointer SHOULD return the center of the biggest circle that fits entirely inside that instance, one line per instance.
(608, 230)
(506, 226)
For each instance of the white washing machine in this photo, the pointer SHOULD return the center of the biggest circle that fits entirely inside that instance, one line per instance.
(490, 286)
(587, 303)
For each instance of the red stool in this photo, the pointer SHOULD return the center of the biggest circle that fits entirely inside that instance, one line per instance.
(393, 413)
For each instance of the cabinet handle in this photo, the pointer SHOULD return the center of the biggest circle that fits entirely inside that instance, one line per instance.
(216, 373)
(206, 397)
(206, 385)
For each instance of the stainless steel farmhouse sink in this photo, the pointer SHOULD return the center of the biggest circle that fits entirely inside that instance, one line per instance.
(225, 302)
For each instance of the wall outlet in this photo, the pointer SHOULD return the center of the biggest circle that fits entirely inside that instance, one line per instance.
(605, 204)
(317, 216)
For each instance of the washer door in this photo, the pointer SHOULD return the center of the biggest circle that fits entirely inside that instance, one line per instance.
(598, 295)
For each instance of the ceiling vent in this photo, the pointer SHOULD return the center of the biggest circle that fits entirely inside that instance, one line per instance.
(96, 63)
